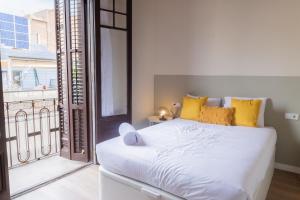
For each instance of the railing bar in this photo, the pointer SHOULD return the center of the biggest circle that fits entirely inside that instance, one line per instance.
(24, 114)
(9, 134)
(21, 108)
(29, 101)
(34, 129)
(55, 135)
(18, 91)
(30, 134)
(42, 128)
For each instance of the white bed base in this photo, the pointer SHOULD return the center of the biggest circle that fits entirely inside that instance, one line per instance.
(116, 187)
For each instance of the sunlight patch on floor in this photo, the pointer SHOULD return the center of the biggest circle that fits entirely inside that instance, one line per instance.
(26, 176)
(82, 185)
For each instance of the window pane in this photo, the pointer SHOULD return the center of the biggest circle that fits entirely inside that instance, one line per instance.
(114, 72)
(4, 80)
(16, 78)
(29, 81)
(106, 18)
(121, 21)
(106, 4)
(120, 5)
(47, 77)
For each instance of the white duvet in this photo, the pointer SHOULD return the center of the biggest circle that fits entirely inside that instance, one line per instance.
(195, 161)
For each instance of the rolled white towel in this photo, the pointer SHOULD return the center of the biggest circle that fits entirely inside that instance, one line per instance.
(126, 128)
(129, 134)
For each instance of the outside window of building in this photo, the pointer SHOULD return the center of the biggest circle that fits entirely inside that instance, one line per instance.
(4, 79)
(17, 77)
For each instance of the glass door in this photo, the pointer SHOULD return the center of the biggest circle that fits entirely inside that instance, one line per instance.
(114, 72)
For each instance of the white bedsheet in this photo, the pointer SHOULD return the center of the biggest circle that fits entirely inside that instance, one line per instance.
(195, 161)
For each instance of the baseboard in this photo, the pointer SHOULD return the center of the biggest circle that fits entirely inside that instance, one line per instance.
(288, 168)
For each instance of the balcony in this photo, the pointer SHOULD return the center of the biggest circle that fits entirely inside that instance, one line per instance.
(33, 144)
(32, 130)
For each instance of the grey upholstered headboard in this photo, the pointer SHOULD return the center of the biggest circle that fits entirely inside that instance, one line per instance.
(283, 92)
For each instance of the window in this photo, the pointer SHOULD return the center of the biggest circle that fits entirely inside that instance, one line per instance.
(53, 83)
(114, 50)
(17, 79)
(114, 63)
(4, 80)
(46, 75)
(29, 79)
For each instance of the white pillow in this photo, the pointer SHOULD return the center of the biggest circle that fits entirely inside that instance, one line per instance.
(214, 102)
(261, 115)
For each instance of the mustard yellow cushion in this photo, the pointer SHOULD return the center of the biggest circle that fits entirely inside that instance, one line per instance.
(245, 112)
(191, 107)
(216, 115)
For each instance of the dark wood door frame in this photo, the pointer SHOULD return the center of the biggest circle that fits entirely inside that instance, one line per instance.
(4, 179)
(106, 127)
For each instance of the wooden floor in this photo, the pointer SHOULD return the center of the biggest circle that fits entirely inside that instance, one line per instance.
(83, 185)
(285, 186)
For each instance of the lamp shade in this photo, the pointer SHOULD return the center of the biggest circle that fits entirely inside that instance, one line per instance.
(163, 111)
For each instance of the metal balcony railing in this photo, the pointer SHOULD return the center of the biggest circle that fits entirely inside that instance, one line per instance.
(32, 130)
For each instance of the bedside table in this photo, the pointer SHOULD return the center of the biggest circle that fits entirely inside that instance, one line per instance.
(155, 120)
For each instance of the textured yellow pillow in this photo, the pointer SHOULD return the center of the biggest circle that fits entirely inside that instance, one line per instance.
(245, 112)
(191, 107)
(216, 115)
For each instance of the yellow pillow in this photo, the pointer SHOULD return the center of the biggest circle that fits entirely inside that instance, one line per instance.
(245, 112)
(191, 107)
(216, 115)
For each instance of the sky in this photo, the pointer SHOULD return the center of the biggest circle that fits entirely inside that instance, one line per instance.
(24, 7)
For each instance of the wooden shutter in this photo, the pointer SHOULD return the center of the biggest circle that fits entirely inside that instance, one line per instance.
(72, 87)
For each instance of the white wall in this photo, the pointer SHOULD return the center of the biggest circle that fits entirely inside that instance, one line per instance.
(211, 37)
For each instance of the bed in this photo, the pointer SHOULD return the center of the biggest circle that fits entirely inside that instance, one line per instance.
(183, 159)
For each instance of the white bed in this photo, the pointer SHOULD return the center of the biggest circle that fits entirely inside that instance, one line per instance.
(183, 159)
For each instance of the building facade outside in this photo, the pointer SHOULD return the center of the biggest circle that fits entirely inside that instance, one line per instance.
(29, 76)
(28, 55)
